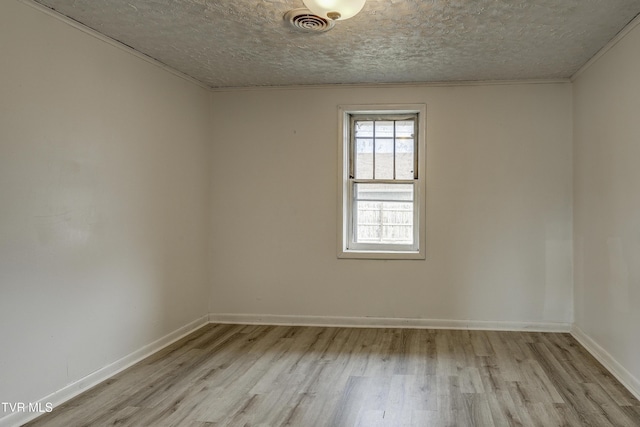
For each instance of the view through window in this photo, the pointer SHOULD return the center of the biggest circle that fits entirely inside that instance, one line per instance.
(384, 158)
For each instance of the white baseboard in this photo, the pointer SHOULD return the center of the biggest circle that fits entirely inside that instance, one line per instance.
(612, 365)
(384, 322)
(91, 380)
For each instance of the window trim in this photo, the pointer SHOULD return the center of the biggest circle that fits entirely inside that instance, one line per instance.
(344, 188)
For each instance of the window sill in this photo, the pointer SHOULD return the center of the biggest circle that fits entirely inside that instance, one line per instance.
(399, 255)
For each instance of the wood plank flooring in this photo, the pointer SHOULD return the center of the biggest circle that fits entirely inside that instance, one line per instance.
(240, 375)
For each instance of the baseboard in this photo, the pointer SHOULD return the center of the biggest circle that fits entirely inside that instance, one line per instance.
(608, 361)
(385, 322)
(91, 380)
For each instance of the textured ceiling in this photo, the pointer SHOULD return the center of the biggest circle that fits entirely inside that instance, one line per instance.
(247, 43)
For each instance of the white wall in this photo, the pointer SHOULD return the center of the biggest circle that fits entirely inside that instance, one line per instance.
(607, 205)
(499, 213)
(104, 193)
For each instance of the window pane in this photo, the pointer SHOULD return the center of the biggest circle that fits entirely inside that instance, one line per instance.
(384, 129)
(405, 129)
(383, 192)
(364, 129)
(383, 213)
(404, 159)
(364, 159)
(383, 158)
(405, 148)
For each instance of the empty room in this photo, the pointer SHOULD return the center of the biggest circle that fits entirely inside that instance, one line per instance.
(319, 213)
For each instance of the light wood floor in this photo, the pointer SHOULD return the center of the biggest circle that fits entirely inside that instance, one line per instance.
(235, 375)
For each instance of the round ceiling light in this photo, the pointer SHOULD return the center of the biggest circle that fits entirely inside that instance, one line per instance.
(335, 10)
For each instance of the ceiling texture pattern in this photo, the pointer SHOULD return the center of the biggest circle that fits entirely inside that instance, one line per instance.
(243, 43)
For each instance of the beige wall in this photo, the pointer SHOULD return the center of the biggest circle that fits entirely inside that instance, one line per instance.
(103, 203)
(499, 191)
(607, 204)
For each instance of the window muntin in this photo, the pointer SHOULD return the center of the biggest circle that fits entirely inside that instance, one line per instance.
(381, 194)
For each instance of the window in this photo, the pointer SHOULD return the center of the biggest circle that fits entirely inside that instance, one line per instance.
(382, 184)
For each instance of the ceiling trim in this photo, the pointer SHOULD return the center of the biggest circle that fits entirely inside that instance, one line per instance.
(606, 48)
(93, 33)
(394, 85)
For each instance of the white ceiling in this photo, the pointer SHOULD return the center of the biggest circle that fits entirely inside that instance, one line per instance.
(247, 43)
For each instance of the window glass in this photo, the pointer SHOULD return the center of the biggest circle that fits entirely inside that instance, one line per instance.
(364, 158)
(405, 147)
(383, 213)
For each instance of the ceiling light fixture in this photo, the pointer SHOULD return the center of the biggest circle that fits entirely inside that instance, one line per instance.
(336, 10)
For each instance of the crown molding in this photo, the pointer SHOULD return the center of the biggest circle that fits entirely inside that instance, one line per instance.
(112, 42)
(606, 48)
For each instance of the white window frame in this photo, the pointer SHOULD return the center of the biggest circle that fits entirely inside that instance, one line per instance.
(347, 248)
